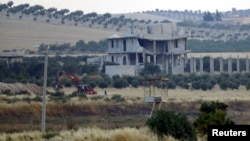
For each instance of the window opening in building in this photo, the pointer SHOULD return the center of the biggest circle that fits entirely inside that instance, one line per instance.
(140, 59)
(124, 45)
(124, 60)
(117, 44)
(166, 46)
(112, 43)
(176, 43)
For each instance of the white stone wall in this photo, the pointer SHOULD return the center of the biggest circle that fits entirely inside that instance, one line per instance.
(120, 70)
(132, 45)
(180, 47)
(178, 70)
(117, 58)
(167, 29)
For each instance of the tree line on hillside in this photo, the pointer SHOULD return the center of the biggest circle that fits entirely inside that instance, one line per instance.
(198, 15)
(220, 26)
(219, 46)
(120, 22)
(31, 71)
(208, 16)
(79, 47)
(192, 44)
(78, 17)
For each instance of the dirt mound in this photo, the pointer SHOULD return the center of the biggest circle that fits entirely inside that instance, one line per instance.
(18, 87)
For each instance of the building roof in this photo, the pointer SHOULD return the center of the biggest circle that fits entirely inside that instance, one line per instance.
(12, 54)
(147, 37)
(155, 32)
(160, 37)
(114, 36)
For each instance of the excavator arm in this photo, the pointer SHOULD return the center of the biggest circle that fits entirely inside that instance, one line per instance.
(80, 88)
(57, 85)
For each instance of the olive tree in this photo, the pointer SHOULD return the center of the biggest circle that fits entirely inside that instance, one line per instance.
(165, 123)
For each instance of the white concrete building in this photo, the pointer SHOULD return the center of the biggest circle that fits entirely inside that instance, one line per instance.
(12, 55)
(157, 44)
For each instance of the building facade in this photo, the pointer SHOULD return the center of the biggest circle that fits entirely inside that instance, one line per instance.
(156, 44)
(12, 56)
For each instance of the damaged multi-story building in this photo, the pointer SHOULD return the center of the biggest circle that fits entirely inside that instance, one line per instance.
(158, 44)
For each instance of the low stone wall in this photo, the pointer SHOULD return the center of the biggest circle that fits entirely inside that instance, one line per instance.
(120, 70)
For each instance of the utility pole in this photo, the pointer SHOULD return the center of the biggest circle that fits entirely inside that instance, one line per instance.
(44, 91)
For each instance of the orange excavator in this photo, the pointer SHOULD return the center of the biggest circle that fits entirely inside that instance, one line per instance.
(80, 88)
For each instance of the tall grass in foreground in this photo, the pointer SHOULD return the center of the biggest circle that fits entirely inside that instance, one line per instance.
(88, 134)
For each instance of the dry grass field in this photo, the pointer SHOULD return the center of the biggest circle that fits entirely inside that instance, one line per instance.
(18, 34)
(88, 118)
(174, 95)
(182, 95)
(91, 134)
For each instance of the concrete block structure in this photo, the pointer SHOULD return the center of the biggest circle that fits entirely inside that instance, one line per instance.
(157, 44)
(214, 69)
(11, 56)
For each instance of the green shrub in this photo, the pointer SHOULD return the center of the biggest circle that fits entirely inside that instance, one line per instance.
(224, 84)
(37, 99)
(213, 81)
(74, 94)
(92, 84)
(120, 83)
(98, 97)
(7, 92)
(117, 98)
(196, 85)
(210, 86)
(215, 118)
(83, 97)
(170, 123)
(58, 96)
(183, 84)
(102, 84)
(107, 99)
(212, 107)
(150, 69)
(135, 83)
(204, 86)
(171, 85)
(233, 85)
(211, 114)
(247, 85)
(77, 94)
(22, 92)
(27, 99)
(50, 134)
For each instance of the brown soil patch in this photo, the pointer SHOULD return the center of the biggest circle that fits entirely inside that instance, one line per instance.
(17, 87)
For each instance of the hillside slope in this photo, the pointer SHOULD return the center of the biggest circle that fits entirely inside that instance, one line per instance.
(20, 30)
(27, 34)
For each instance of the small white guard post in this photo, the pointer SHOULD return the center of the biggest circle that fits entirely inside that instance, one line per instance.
(155, 95)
